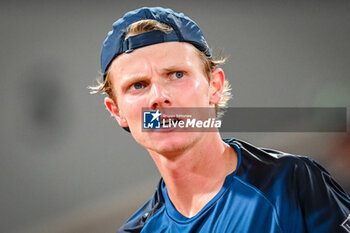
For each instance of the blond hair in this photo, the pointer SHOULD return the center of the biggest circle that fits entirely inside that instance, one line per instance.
(142, 26)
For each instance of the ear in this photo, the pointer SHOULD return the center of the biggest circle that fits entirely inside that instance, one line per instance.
(115, 112)
(217, 80)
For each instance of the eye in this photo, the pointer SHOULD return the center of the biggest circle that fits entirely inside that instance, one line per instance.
(137, 85)
(178, 74)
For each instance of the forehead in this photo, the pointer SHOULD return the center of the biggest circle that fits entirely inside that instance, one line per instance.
(156, 57)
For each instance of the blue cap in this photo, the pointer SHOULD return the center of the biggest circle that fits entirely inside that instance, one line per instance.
(184, 30)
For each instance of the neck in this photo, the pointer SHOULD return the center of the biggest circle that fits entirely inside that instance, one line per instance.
(194, 176)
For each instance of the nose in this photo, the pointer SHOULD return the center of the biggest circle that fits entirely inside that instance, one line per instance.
(158, 97)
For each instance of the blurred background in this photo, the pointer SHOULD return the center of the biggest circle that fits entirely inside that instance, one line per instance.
(66, 166)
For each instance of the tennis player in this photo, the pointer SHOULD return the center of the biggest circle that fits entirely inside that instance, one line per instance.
(157, 58)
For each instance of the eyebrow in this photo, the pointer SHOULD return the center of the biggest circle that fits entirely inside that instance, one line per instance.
(142, 76)
(132, 78)
(180, 66)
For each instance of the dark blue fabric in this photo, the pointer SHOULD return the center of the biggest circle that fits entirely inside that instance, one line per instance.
(148, 38)
(185, 30)
(270, 191)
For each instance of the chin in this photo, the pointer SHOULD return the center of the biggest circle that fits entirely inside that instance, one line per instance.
(176, 142)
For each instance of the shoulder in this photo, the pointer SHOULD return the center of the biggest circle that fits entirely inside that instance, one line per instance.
(272, 165)
(265, 165)
(297, 186)
(137, 221)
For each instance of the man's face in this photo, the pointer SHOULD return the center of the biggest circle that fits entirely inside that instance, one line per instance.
(159, 76)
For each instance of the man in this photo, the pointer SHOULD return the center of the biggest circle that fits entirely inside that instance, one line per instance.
(159, 59)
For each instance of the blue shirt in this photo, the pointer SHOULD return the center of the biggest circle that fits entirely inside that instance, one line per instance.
(270, 191)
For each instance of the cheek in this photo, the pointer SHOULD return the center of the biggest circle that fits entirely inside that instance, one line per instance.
(132, 112)
(196, 85)
(198, 89)
(129, 109)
